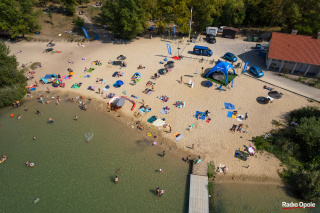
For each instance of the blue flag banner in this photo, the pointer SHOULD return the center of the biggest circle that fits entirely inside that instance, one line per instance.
(232, 83)
(85, 33)
(174, 32)
(169, 49)
(245, 67)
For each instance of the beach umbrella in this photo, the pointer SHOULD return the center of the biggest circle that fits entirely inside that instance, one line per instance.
(169, 66)
(121, 58)
(170, 62)
(71, 73)
(275, 95)
(50, 45)
(57, 81)
(152, 28)
(119, 83)
(119, 102)
(137, 74)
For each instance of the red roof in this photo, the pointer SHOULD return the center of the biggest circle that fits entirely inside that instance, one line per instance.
(295, 48)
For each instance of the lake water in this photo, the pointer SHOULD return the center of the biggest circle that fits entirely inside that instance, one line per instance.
(72, 175)
(255, 198)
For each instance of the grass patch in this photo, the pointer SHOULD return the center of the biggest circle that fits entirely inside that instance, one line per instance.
(35, 65)
(222, 82)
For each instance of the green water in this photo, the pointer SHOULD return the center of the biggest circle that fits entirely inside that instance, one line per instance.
(256, 198)
(72, 175)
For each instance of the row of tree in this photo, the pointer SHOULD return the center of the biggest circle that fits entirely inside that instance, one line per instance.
(12, 80)
(128, 17)
(297, 145)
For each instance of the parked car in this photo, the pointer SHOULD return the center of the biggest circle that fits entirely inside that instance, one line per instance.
(230, 57)
(201, 50)
(256, 71)
(211, 39)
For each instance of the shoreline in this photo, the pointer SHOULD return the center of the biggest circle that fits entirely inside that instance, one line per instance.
(213, 141)
(169, 145)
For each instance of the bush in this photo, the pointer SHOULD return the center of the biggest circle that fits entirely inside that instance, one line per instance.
(298, 147)
(78, 22)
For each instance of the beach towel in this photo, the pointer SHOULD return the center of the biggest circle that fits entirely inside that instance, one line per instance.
(111, 95)
(230, 113)
(48, 76)
(208, 120)
(114, 74)
(105, 89)
(136, 97)
(161, 62)
(234, 116)
(163, 111)
(149, 92)
(159, 122)
(152, 119)
(240, 118)
(177, 136)
(32, 89)
(86, 76)
(90, 70)
(75, 86)
(228, 106)
(202, 115)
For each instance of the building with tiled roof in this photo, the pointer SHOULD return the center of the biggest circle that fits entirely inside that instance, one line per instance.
(296, 53)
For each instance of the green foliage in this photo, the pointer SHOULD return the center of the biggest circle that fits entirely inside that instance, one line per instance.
(12, 81)
(298, 147)
(211, 169)
(305, 183)
(277, 123)
(164, 13)
(305, 112)
(126, 18)
(18, 17)
(70, 6)
(78, 22)
(182, 14)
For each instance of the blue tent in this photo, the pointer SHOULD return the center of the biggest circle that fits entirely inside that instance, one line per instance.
(223, 67)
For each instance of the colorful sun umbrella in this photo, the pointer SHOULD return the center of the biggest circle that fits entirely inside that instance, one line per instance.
(57, 81)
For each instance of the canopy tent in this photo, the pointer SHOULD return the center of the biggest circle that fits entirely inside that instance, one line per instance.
(222, 67)
(119, 102)
(125, 97)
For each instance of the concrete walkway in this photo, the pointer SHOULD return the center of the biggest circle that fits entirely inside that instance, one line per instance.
(199, 198)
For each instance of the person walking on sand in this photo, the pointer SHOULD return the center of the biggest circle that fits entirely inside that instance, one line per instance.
(116, 180)
(192, 147)
(99, 90)
(181, 80)
(163, 153)
(245, 116)
(48, 89)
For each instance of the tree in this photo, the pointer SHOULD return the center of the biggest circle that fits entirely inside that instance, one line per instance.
(18, 17)
(182, 14)
(12, 81)
(204, 11)
(70, 6)
(126, 17)
(233, 13)
(164, 13)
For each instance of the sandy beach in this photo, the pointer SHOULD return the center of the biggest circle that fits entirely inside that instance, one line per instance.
(213, 141)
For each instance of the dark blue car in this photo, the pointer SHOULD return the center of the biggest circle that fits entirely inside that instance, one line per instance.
(230, 57)
(201, 50)
(256, 71)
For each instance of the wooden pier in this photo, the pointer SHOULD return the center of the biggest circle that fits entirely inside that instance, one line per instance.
(199, 196)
